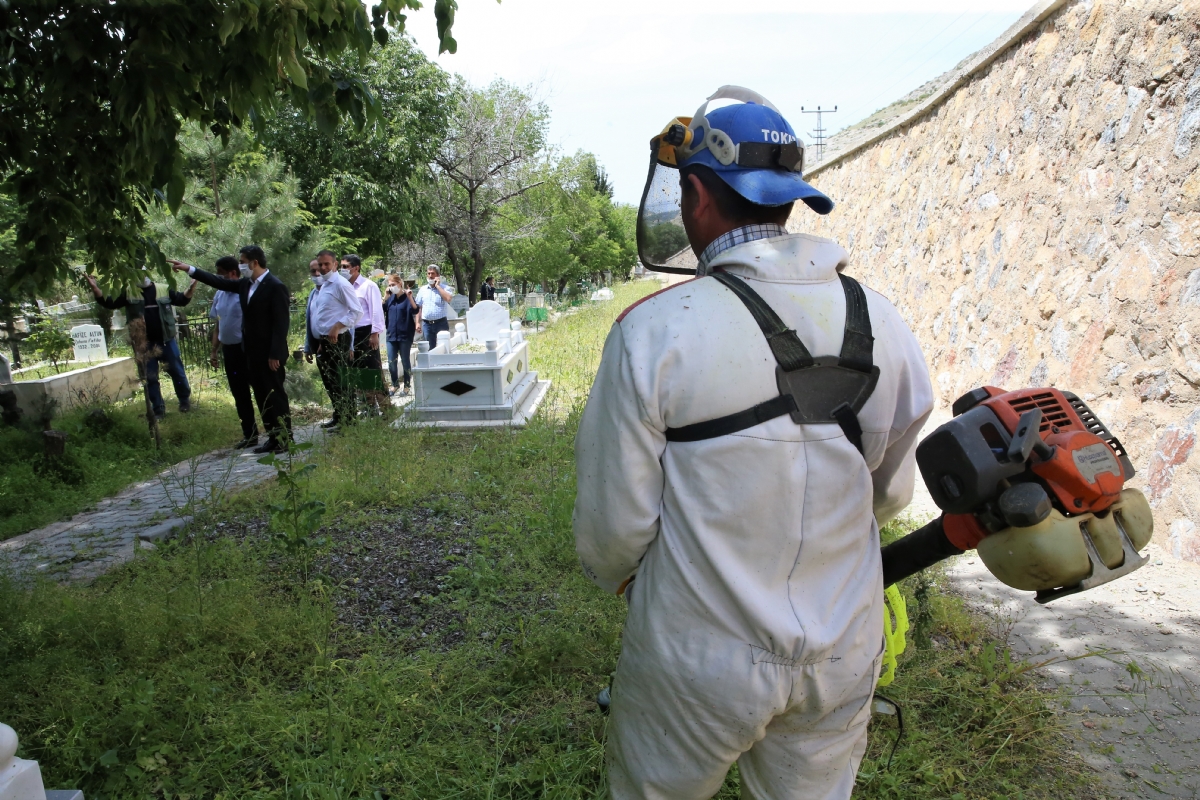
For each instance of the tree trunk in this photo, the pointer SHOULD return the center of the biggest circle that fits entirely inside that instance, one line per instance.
(141, 354)
(451, 253)
(476, 253)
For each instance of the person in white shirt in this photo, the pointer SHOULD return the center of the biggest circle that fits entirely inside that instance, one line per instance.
(371, 325)
(433, 300)
(334, 313)
(226, 314)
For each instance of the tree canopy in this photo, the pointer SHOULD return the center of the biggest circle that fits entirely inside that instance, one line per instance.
(93, 96)
(371, 181)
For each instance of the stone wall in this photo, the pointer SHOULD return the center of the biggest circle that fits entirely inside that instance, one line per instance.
(1040, 224)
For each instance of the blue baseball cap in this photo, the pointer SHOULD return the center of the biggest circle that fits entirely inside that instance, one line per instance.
(765, 186)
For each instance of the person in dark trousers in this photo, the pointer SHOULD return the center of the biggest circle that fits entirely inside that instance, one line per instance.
(333, 313)
(371, 325)
(488, 290)
(264, 301)
(226, 313)
(400, 311)
(161, 342)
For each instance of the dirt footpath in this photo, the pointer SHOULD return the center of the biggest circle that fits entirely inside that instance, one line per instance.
(1133, 708)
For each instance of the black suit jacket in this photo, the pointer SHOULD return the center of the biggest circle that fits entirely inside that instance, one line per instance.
(265, 316)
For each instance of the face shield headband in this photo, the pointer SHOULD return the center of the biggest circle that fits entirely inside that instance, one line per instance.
(661, 239)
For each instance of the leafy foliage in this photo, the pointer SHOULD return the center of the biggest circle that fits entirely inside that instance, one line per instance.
(93, 96)
(567, 228)
(370, 181)
(665, 240)
(235, 193)
(297, 517)
(51, 340)
(491, 154)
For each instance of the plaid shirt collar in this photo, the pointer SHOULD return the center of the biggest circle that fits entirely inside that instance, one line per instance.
(746, 233)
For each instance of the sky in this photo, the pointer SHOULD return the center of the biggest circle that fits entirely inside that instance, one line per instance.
(614, 72)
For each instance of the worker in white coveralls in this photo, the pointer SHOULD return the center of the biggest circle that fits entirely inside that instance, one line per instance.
(747, 433)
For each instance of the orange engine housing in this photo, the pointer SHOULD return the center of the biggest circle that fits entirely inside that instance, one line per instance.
(1088, 467)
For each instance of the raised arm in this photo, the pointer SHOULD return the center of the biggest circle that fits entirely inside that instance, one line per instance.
(215, 281)
(110, 303)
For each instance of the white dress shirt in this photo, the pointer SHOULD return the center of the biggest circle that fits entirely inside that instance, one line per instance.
(372, 303)
(336, 302)
(254, 284)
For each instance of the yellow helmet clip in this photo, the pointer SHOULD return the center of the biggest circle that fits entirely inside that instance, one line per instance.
(677, 133)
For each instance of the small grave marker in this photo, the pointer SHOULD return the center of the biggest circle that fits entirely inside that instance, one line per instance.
(89, 343)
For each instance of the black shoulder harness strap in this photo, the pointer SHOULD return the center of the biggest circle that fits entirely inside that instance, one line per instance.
(815, 391)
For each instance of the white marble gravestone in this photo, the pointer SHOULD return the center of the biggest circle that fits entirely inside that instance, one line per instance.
(19, 779)
(485, 320)
(89, 343)
(5, 369)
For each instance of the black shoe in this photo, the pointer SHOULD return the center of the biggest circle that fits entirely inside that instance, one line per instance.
(249, 441)
(330, 423)
(272, 446)
(185, 408)
(160, 415)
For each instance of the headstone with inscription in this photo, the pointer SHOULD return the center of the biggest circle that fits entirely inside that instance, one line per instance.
(89, 343)
(460, 304)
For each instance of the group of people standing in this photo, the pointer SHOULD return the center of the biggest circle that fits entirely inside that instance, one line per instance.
(347, 318)
(348, 315)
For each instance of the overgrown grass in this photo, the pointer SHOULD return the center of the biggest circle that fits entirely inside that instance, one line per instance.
(103, 456)
(206, 669)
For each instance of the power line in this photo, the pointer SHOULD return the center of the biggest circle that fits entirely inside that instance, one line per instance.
(920, 66)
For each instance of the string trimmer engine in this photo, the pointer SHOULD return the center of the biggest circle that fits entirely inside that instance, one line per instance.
(1034, 481)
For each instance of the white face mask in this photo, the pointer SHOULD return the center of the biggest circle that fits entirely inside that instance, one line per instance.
(317, 279)
(393, 289)
(245, 270)
(146, 283)
(433, 281)
(345, 273)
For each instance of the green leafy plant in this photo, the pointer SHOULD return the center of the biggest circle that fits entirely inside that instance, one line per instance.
(51, 340)
(94, 94)
(295, 521)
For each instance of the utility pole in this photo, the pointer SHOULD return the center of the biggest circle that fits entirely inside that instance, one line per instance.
(818, 133)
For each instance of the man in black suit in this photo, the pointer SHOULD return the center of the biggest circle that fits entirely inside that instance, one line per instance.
(265, 312)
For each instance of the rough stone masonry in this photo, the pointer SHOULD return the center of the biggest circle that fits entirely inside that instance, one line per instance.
(1037, 221)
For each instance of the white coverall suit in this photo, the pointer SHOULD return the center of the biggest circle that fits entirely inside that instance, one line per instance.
(755, 622)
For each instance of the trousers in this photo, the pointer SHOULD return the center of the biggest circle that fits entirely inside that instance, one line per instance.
(238, 375)
(402, 349)
(796, 731)
(333, 359)
(432, 327)
(172, 362)
(272, 399)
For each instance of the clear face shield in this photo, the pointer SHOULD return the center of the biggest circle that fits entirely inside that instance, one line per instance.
(662, 241)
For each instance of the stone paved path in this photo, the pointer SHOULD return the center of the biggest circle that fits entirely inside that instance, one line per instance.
(1140, 731)
(94, 541)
